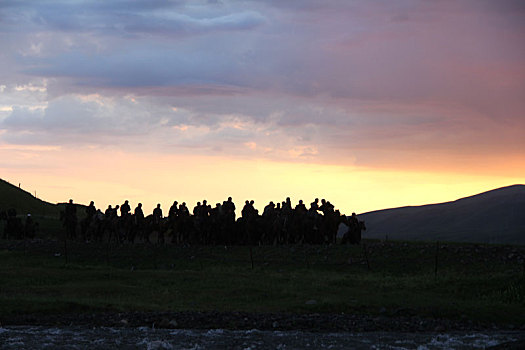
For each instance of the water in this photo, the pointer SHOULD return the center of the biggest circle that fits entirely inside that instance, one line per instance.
(27, 337)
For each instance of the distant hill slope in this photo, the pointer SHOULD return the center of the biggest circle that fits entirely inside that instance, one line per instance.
(24, 202)
(45, 214)
(496, 216)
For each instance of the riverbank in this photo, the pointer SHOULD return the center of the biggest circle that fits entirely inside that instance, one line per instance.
(316, 322)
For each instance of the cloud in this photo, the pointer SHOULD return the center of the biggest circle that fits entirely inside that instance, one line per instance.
(325, 81)
(80, 120)
(126, 17)
(361, 52)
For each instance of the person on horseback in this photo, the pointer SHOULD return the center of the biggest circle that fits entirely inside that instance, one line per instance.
(229, 209)
(197, 210)
(314, 206)
(70, 219)
(125, 209)
(269, 210)
(300, 208)
(139, 217)
(157, 214)
(90, 211)
(173, 212)
(85, 224)
(183, 210)
(139, 214)
(108, 212)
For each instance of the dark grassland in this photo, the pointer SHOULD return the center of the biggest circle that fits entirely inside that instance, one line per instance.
(482, 283)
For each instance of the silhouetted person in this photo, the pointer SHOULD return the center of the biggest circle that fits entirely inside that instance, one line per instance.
(183, 210)
(323, 207)
(114, 213)
(314, 206)
(287, 206)
(91, 211)
(301, 208)
(216, 211)
(109, 212)
(172, 214)
(14, 227)
(205, 208)
(125, 209)
(269, 210)
(197, 210)
(70, 219)
(230, 205)
(326, 207)
(29, 227)
(71, 209)
(254, 211)
(228, 208)
(139, 215)
(352, 220)
(157, 214)
(246, 210)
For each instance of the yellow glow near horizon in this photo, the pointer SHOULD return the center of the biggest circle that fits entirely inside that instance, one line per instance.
(110, 177)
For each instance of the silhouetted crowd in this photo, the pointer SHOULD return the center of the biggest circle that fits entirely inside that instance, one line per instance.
(279, 223)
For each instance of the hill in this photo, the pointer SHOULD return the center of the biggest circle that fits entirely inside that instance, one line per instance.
(496, 216)
(45, 214)
(24, 202)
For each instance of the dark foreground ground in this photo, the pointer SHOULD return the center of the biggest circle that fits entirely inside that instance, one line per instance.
(378, 286)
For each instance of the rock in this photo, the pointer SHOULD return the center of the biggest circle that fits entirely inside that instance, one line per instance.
(124, 322)
(173, 324)
(311, 302)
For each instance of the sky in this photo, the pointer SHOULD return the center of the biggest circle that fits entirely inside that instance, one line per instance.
(369, 104)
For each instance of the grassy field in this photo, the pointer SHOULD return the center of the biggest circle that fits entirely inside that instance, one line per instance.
(477, 282)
